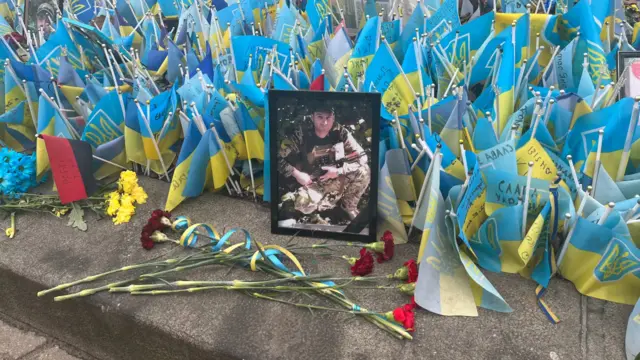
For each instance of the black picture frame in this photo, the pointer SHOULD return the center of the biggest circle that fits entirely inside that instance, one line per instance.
(361, 101)
(621, 64)
(31, 12)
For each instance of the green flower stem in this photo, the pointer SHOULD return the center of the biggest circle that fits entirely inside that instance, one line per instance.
(88, 292)
(96, 277)
(325, 246)
(176, 291)
(183, 268)
(381, 322)
(307, 306)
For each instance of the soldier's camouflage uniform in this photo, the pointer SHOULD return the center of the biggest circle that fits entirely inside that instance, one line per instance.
(346, 189)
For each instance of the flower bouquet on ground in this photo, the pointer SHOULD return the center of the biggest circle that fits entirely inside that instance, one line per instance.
(17, 176)
(286, 276)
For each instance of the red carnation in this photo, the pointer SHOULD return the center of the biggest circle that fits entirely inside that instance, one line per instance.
(412, 271)
(387, 254)
(406, 316)
(364, 265)
(148, 244)
(154, 223)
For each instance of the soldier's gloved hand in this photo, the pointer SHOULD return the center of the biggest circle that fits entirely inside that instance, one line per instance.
(302, 178)
(331, 173)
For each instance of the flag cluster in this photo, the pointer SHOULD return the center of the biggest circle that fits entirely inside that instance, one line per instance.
(504, 140)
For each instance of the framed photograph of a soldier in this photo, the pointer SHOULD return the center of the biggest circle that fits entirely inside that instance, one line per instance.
(324, 161)
(40, 17)
(629, 67)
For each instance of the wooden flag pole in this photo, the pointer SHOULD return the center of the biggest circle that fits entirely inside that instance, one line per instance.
(567, 223)
(574, 175)
(464, 161)
(596, 169)
(525, 206)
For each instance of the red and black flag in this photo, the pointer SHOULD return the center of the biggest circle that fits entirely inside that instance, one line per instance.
(318, 84)
(71, 163)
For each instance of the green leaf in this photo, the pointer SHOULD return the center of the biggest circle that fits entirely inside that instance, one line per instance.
(76, 218)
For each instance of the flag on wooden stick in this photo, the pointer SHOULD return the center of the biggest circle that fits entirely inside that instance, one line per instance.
(71, 166)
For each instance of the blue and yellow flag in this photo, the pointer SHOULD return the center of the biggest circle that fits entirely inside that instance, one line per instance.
(106, 122)
(602, 264)
(443, 286)
(454, 130)
(19, 136)
(504, 102)
(462, 45)
(156, 115)
(584, 130)
(612, 140)
(385, 75)
(580, 18)
(82, 9)
(209, 163)
(257, 46)
(484, 136)
(366, 46)
(414, 66)
(389, 217)
(444, 20)
(316, 11)
(112, 151)
(285, 24)
(408, 32)
(252, 137)
(180, 174)
(49, 123)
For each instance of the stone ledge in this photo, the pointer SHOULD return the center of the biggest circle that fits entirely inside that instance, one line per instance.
(224, 324)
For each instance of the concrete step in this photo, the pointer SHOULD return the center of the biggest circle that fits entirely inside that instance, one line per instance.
(224, 324)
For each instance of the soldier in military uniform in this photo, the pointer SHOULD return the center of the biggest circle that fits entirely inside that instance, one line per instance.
(327, 163)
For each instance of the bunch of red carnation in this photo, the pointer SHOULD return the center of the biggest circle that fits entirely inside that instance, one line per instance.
(383, 249)
(364, 265)
(405, 315)
(387, 253)
(158, 221)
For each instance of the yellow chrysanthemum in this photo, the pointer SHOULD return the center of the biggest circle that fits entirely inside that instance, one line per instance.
(61, 212)
(114, 203)
(126, 210)
(139, 195)
(128, 181)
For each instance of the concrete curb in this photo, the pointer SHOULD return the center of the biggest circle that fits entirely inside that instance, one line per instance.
(226, 325)
(92, 324)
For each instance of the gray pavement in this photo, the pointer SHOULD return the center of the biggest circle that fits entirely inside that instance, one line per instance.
(18, 343)
(224, 324)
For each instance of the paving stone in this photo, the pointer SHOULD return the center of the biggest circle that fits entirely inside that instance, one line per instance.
(15, 343)
(54, 353)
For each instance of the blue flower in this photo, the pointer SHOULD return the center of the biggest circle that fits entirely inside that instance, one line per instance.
(25, 164)
(10, 157)
(7, 185)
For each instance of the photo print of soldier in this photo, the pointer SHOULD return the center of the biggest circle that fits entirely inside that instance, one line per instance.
(40, 17)
(324, 161)
(629, 66)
